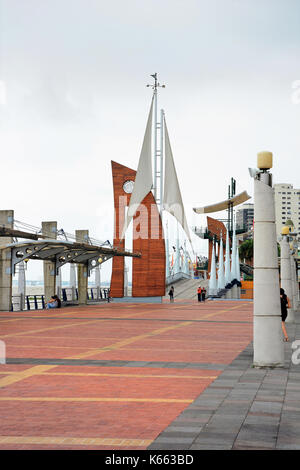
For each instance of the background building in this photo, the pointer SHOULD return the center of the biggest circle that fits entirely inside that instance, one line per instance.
(287, 206)
(244, 217)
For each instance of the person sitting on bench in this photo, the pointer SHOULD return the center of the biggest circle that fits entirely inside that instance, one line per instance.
(54, 302)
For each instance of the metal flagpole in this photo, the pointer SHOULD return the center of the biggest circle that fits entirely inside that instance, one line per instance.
(162, 116)
(158, 152)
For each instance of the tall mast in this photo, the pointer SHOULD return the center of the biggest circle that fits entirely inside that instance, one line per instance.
(158, 147)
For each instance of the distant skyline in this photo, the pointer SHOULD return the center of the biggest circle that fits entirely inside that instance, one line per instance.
(73, 97)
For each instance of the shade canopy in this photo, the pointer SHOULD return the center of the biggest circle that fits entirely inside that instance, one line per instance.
(221, 206)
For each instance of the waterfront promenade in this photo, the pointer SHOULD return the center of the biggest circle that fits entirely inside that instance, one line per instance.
(143, 376)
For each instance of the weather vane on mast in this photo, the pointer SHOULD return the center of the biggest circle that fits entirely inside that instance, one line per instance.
(156, 83)
(158, 152)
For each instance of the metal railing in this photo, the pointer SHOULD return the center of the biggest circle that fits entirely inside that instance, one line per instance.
(69, 296)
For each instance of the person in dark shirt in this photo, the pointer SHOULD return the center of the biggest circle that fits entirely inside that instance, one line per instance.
(285, 304)
(171, 294)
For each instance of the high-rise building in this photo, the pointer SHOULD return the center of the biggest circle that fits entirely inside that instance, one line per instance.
(244, 217)
(287, 206)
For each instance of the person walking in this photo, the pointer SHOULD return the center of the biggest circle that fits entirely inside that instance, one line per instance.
(199, 292)
(171, 294)
(285, 304)
(203, 293)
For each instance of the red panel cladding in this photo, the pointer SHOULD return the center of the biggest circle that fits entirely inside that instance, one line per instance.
(148, 272)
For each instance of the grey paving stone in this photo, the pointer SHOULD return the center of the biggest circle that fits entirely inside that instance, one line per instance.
(267, 407)
(169, 446)
(206, 366)
(155, 364)
(241, 444)
(174, 440)
(246, 407)
(211, 446)
(215, 438)
(136, 363)
(287, 446)
(262, 419)
(185, 429)
(203, 403)
(290, 416)
(199, 420)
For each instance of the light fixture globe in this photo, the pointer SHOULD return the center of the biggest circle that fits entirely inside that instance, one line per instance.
(264, 160)
(285, 230)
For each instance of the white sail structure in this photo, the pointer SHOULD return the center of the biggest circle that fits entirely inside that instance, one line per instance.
(213, 280)
(167, 252)
(172, 200)
(221, 277)
(233, 256)
(237, 260)
(227, 260)
(143, 180)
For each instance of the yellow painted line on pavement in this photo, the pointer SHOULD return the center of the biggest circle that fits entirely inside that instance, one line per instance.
(142, 376)
(98, 399)
(36, 370)
(127, 341)
(57, 327)
(75, 441)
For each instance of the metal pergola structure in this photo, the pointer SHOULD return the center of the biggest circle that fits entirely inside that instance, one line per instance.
(62, 252)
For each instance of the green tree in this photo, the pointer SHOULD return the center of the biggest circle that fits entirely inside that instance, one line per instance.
(246, 250)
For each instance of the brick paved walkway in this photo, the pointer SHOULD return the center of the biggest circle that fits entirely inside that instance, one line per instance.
(113, 376)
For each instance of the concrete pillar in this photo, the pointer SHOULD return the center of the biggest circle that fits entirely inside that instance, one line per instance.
(126, 270)
(73, 280)
(22, 284)
(268, 338)
(294, 286)
(82, 271)
(98, 280)
(286, 275)
(58, 282)
(7, 220)
(49, 229)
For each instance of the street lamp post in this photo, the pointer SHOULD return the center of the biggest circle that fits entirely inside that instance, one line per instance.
(267, 334)
(286, 272)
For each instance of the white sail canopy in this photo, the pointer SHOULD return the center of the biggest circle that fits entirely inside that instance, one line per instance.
(221, 277)
(172, 200)
(143, 180)
(233, 256)
(213, 280)
(227, 259)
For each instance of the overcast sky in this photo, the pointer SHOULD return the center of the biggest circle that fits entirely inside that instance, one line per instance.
(73, 97)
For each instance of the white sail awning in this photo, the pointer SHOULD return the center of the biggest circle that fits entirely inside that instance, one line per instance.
(172, 200)
(143, 180)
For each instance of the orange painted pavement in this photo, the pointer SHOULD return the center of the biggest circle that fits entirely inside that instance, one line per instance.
(72, 406)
